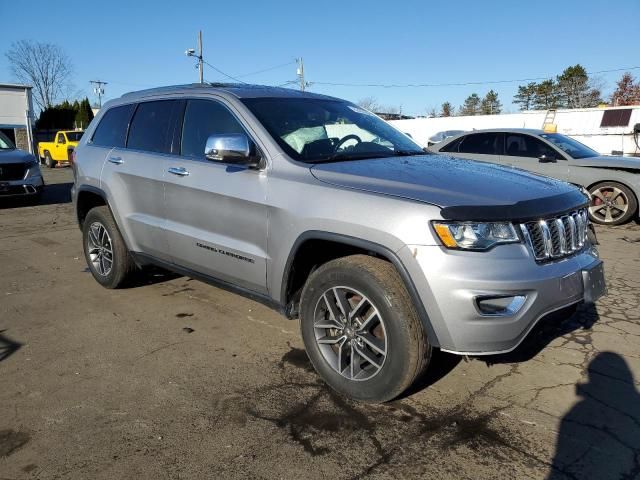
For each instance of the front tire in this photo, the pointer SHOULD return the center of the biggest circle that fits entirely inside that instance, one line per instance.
(361, 329)
(48, 161)
(611, 203)
(105, 251)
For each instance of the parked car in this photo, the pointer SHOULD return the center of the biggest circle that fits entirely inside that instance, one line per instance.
(20, 173)
(325, 212)
(59, 151)
(613, 182)
(440, 136)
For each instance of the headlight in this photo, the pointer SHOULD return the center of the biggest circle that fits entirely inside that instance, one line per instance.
(475, 236)
(33, 169)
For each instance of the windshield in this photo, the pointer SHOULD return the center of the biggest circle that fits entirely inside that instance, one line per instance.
(5, 143)
(74, 136)
(316, 130)
(572, 147)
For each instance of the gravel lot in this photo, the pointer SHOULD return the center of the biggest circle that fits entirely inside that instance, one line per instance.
(177, 379)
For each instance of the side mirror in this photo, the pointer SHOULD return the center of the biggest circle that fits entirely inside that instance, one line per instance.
(229, 148)
(544, 158)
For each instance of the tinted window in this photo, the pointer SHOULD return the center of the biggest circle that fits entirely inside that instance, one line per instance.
(112, 130)
(203, 118)
(527, 146)
(574, 148)
(74, 136)
(483, 143)
(453, 146)
(150, 126)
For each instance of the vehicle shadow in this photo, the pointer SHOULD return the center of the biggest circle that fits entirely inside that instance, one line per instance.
(7, 346)
(53, 194)
(566, 322)
(441, 365)
(600, 436)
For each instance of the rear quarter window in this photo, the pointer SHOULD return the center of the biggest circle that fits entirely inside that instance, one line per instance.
(112, 129)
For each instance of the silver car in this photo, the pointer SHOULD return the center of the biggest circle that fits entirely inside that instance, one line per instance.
(613, 182)
(20, 174)
(325, 212)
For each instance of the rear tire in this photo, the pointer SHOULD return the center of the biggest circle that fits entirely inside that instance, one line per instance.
(379, 348)
(611, 204)
(106, 254)
(48, 161)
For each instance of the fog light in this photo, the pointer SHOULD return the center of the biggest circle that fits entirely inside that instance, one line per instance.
(501, 305)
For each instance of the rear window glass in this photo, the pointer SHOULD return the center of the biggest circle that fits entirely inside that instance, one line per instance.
(112, 129)
(149, 129)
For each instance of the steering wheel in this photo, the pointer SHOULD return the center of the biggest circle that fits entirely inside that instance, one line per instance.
(346, 139)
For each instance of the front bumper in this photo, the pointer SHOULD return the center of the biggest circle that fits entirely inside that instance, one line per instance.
(450, 284)
(20, 188)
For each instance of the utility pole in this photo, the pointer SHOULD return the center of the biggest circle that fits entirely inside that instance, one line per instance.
(200, 65)
(190, 52)
(301, 73)
(98, 90)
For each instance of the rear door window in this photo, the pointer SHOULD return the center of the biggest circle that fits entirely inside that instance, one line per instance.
(203, 118)
(481, 143)
(112, 129)
(151, 127)
(518, 145)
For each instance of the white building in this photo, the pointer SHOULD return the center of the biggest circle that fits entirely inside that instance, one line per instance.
(16, 114)
(608, 130)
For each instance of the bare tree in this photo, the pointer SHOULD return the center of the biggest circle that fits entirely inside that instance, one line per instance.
(369, 103)
(43, 66)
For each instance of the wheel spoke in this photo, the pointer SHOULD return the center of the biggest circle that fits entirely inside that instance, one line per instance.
(368, 321)
(342, 302)
(331, 339)
(369, 358)
(616, 193)
(374, 343)
(354, 362)
(607, 216)
(355, 310)
(334, 313)
(621, 208)
(598, 193)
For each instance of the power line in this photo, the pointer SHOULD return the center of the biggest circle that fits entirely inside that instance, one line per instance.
(418, 85)
(222, 73)
(267, 69)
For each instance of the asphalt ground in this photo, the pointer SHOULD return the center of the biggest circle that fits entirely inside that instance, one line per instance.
(173, 378)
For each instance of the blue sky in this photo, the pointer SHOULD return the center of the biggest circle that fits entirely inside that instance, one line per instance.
(138, 44)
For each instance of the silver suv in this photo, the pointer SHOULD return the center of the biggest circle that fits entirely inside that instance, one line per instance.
(324, 211)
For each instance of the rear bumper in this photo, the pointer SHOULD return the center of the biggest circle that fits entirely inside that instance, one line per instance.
(21, 188)
(452, 284)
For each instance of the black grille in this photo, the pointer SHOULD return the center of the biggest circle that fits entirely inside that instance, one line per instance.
(557, 237)
(12, 171)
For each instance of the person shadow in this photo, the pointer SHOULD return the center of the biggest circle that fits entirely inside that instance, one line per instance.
(599, 438)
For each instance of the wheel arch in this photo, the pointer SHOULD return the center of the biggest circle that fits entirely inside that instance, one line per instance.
(300, 264)
(88, 198)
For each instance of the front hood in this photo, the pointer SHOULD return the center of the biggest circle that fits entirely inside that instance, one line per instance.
(15, 156)
(463, 188)
(604, 161)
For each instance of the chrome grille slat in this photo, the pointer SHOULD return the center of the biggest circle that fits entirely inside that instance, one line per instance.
(558, 237)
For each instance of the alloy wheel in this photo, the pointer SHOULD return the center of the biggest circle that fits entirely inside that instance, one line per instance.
(100, 249)
(608, 204)
(350, 333)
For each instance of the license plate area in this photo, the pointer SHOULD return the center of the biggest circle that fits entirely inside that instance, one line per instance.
(594, 283)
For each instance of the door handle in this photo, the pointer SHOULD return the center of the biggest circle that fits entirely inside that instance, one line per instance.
(180, 171)
(116, 160)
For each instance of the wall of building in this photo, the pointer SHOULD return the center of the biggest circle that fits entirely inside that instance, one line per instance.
(16, 112)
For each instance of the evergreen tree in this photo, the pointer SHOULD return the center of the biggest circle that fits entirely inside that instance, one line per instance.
(490, 104)
(546, 95)
(575, 90)
(526, 96)
(446, 110)
(471, 105)
(84, 114)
